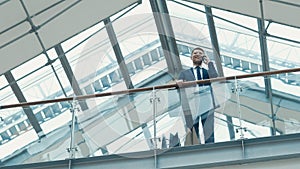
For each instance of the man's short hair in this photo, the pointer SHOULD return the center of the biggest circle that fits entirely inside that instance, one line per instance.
(197, 48)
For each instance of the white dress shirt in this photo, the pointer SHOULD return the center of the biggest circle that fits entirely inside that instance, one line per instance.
(195, 72)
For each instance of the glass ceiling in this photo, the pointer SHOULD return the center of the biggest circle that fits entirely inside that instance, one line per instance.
(123, 123)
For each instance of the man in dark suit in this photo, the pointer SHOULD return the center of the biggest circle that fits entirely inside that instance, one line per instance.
(199, 72)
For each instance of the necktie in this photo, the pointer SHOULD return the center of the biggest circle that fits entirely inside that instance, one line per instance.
(198, 73)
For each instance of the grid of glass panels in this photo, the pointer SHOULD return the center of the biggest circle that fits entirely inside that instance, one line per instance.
(94, 64)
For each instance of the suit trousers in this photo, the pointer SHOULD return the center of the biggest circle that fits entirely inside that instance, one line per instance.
(207, 122)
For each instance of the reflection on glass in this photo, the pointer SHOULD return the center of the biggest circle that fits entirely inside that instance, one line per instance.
(286, 103)
(255, 112)
(116, 118)
(16, 132)
(283, 54)
(13, 125)
(40, 85)
(126, 123)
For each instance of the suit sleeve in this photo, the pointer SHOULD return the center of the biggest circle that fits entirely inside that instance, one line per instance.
(212, 72)
(181, 76)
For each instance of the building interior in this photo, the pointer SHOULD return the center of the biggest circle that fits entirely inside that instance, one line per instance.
(94, 84)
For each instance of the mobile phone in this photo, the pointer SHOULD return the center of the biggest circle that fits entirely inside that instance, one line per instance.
(204, 59)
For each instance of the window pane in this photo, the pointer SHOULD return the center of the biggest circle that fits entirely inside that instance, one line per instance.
(3, 81)
(289, 32)
(40, 85)
(29, 66)
(140, 45)
(70, 43)
(239, 47)
(283, 53)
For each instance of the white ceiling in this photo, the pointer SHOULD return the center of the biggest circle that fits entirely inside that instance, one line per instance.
(18, 45)
(280, 11)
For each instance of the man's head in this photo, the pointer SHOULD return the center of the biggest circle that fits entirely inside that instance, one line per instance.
(197, 56)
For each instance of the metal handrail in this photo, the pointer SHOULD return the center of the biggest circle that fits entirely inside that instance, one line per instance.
(173, 85)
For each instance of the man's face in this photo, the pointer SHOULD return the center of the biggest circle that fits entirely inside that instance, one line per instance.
(197, 56)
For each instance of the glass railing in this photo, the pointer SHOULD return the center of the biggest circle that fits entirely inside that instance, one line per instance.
(155, 119)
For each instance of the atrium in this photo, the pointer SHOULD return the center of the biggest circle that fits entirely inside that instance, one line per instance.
(94, 84)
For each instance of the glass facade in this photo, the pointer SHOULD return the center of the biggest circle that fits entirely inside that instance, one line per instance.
(115, 120)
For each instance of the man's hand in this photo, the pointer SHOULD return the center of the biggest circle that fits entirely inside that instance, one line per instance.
(206, 59)
(179, 83)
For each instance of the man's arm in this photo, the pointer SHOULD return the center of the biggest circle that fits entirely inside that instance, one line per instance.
(181, 76)
(212, 72)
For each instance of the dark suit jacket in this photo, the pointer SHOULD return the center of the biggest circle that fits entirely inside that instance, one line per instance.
(188, 75)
